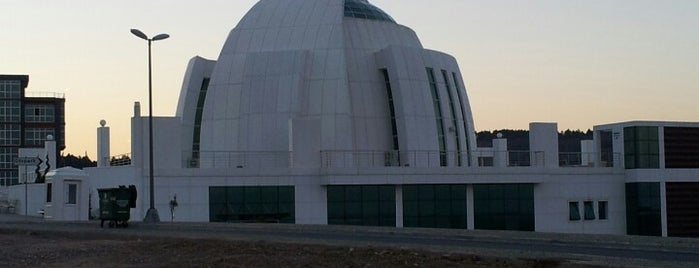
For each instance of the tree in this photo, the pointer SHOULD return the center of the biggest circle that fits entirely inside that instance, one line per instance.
(78, 162)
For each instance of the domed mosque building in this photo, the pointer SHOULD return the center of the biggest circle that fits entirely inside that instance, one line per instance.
(330, 112)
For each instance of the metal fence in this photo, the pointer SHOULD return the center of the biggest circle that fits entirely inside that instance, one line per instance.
(486, 158)
(120, 160)
(577, 159)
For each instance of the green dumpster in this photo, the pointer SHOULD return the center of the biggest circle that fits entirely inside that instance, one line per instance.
(116, 204)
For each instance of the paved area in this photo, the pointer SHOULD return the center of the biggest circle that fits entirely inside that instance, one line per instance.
(585, 249)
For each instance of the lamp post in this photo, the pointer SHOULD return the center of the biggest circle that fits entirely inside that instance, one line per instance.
(152, 213)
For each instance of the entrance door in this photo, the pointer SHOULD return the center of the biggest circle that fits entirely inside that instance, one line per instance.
(71, 207)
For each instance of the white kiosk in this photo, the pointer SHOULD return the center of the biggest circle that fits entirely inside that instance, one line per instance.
(67, 193)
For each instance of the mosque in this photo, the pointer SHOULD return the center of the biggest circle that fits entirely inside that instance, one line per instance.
(330, 112)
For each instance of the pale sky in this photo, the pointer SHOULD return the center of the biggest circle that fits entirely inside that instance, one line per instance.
(576, 62)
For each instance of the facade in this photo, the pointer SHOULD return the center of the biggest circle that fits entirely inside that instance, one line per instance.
(26, 119)
(330, 112)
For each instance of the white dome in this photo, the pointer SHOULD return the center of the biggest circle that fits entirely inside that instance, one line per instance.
(300, 74)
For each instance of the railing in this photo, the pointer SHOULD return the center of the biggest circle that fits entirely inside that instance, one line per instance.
(120, 160)
(54, 95)
(589, 159)
(505, 158)
(483, 158)
(346, 158)
(238, 159)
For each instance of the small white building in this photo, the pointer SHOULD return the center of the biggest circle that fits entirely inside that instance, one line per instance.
(67, 195)
(330, 112)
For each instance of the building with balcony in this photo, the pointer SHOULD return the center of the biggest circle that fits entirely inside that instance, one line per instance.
(26, 119)
(330, 112)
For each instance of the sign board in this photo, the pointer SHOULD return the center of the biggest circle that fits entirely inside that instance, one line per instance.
(27, 161)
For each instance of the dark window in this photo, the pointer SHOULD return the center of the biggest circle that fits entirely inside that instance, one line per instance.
(252, 204)
(462, 105)
(196, 135)
(606, 149)
(602, 210)
(367, 205)
(643, 209)
(589, 210)
(48, 193)
(364, 10)
(72, 194)
(682, 209)
(504, 206)
(436, 104)
(392, 113)
(681, 147)
(641, 147)
(573, 211)
(455, 120)
(434, 206)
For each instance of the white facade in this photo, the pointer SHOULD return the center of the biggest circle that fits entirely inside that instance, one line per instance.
(320, 95)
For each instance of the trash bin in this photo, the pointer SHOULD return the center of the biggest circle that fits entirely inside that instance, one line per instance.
(116, 204)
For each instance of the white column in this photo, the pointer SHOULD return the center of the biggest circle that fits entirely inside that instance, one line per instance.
(500, 158)
(543, 144)
(103, 158)
(137, 137)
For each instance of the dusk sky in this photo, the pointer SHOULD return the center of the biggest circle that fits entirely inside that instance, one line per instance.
(576, 62)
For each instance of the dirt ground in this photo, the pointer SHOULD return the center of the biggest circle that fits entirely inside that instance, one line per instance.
(55, 249)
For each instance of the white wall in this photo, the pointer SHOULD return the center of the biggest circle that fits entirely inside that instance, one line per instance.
(112, 177)
(37, 198)
(552, 196)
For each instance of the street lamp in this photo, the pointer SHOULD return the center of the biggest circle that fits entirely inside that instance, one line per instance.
(152, 214)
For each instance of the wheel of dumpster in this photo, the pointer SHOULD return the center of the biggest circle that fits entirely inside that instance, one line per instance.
(112, 224)
(101, 223)
(125, 224)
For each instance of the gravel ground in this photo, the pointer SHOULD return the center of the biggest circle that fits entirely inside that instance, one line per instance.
(32, 242)
(57, 249)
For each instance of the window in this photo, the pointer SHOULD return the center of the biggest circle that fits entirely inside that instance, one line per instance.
(460, 92)
(196, 135)
(435, 206)
(7, 158)
(602, 210)
(503, 207)
(641, 147)
(589, 210)
(9, 135)
(9, 178)
(10, 111)
(438, 117)
(252, 204)
(681, 147)
(48, 193)
(392, 113)
(72, 194)
(573, 211)
(367, 205)
(364, 10)
(10, 89)
(36, 136)
(36, 113)
(454, 119)
(643, 213)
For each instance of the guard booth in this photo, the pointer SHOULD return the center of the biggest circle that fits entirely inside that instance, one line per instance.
(67, 195)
